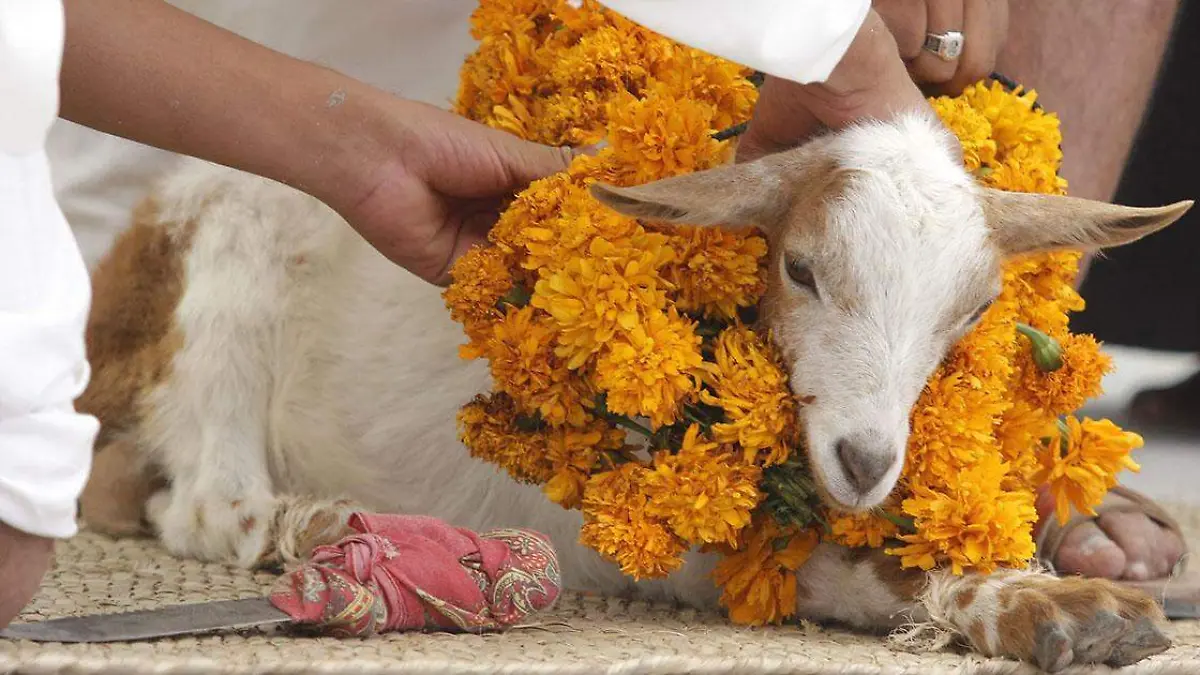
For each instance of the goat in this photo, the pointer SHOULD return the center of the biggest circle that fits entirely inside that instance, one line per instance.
(259, 370)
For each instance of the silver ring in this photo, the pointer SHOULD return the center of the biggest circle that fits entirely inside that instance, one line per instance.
(946, 46)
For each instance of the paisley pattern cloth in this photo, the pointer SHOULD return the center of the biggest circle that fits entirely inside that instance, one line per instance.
(400, 573)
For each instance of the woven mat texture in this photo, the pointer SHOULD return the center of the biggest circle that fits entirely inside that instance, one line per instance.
(583, 635)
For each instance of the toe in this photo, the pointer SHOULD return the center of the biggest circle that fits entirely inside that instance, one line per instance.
(1088, 551)
(1151, 552)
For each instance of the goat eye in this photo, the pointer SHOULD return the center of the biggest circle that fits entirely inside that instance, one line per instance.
(801, 274)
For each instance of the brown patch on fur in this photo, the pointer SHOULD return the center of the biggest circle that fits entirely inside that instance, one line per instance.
(1135, 604)
(977, 633)
(319, 524)
(813, 184)
(131, 340)
(324, 523)
(1017, 628)
(1080, 598)
(113, 500)
(247, 524)
(965, 597)
(131, 334)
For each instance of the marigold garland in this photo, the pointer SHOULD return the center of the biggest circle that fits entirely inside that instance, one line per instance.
(629, 383)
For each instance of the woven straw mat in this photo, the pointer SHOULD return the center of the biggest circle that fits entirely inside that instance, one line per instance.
(581, 635)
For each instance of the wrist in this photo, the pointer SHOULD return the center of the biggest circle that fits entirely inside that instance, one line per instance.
(871, 80)
(338, 135)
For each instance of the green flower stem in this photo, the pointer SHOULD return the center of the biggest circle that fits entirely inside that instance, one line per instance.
(1047, 353)
(517, 296)
(623, 421)
(907, 525)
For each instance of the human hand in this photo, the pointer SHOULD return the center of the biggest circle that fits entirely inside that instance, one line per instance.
(983, 24)
(871, 81)
(436, 185)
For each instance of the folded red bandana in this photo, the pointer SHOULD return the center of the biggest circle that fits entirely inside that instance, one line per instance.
(412, 572)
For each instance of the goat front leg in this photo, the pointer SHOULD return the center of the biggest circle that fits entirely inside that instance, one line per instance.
(1053, 622)
(208, 426)
(863, 588)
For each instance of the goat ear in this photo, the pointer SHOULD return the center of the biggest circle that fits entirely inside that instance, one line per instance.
(732, 195)
(1029, 223)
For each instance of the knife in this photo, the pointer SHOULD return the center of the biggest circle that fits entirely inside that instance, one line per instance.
(146, 624)
(231, 615)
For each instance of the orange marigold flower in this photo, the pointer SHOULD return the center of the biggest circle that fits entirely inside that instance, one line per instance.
(972, 128)
(617, 525)
(494, 431)
(582, 220)
(969, 521)
(721, 83)
(520, 353)
(532, 452)
(651, 369)
(1021, 433)
(703, 492)
(748, 383)
(716, 271)
(573, 454)
(592, 299)
(604, 61)
(537, 204)
(662, 135)
(758, 577)
(861, 529)
(1082, 461)
(480, 279)
(1079, 379)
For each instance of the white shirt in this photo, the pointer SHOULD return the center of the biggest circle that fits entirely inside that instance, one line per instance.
(798, 40)
(45, 446)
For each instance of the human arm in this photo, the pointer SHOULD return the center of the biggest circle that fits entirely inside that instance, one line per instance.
(419, 183)
(1094, 65)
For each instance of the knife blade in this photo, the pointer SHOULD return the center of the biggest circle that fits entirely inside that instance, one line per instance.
(1177, 609)
(186, 619)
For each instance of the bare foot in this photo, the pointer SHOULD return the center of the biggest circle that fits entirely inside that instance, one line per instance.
(1125, 546)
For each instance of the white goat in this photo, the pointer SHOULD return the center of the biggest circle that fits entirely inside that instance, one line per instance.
(254, 359)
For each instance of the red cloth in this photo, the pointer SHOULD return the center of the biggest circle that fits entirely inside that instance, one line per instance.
(412, 572)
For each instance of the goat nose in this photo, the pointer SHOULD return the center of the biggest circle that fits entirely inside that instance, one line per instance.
(864, 463)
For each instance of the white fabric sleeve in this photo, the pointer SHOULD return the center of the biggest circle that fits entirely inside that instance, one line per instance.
(45, 445)
(798, 40)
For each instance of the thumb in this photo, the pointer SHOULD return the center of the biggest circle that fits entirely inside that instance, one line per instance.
(526, 162)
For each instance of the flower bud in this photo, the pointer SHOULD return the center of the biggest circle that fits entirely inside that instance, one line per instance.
(1047, 353)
